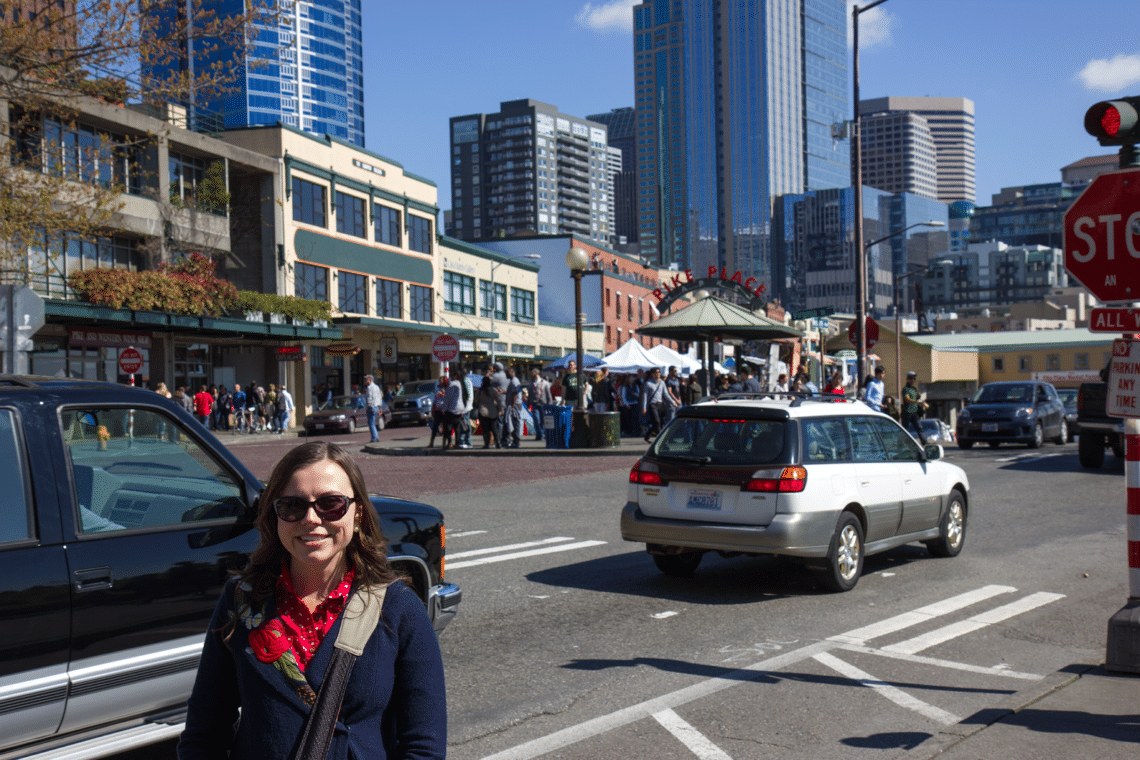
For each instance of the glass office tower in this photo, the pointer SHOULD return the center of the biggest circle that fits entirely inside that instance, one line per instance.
(734, 102)
(306, 70)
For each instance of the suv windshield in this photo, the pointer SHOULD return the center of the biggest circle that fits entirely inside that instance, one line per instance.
(725, 441)
(417, 388)
(1005, 394)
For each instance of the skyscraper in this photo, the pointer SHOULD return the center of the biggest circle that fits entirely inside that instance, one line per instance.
(306, 70)
(734, 102)
(529, 169)
(898, 154)
(951, 122)
(620, 133)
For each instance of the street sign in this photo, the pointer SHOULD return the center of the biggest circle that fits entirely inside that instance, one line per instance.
(1102, 236)
(1114, 320)
(1123, 399)
(444, 348)
(822, 311)
(871, 331)
(130, 361)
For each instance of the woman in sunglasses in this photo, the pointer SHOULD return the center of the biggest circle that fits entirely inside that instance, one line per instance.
(271, 638)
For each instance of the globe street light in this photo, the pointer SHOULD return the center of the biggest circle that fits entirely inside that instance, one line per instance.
(495, 295)
(577, 259)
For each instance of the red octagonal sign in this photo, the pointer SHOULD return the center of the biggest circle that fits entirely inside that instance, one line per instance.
(1102, 237)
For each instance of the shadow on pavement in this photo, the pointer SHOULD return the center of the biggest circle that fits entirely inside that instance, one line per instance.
(890, 740)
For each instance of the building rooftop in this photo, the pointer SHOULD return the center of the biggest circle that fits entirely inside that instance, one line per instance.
(1001, 341)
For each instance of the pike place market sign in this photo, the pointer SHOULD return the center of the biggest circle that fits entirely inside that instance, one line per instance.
(684, 283)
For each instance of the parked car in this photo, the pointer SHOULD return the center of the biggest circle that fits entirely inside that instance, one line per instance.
(412, 402)
(345, 413)
(1013, 411)
(1068, 397)
(124, 518)
(823, 481)
(937, 431)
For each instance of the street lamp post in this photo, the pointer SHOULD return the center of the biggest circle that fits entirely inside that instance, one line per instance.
(898, 322)
(857, 183)
(495, 295)
(577, 259)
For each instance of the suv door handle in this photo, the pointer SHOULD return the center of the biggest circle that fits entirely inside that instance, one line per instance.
(93, 579)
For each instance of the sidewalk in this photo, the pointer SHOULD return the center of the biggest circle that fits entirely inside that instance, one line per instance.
(528, 447)
(1081, 711)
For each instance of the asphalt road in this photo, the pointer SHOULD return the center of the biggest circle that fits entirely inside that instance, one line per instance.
(570, 644)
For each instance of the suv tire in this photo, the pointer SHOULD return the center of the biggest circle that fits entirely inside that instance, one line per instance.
(952, 531)
(678, 565)
(965, 443)
(1090, 449)
(844, 555)
(1062, 436)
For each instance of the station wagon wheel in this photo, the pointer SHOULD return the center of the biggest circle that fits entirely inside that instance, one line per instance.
(351, 426)
(1038, 436)
(952, 531)
(678, 565)
(844, 555)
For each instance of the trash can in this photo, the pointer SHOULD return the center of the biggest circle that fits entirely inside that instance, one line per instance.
(605, 430)
(556, 425)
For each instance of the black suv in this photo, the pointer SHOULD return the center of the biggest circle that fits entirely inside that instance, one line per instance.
(124, 520)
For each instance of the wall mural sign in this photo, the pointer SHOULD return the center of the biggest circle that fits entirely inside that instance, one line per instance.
(684, 283)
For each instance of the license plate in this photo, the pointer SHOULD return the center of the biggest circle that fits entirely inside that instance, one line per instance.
(319, 426)
(989, 427)
(702, 499)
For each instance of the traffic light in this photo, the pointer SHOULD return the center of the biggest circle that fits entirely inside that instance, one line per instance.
(1115, 122)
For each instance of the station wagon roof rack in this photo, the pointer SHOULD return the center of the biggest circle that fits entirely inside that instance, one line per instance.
(797, 398)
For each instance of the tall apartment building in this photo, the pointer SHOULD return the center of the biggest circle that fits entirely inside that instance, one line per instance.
(992, 274)
(306, 71)
(951, 123)
(620, 133)
(898, 154)
(734, 102)
(1025, 215)
(529, 169)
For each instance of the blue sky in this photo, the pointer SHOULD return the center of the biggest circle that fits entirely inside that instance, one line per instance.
(1031, 68)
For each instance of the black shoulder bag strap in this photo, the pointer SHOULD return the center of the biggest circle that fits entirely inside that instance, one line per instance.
(360, 617)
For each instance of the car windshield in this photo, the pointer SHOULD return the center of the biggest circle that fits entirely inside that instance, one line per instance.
(717, 441)
(346, 402)
(1005, 394)
(416, 389)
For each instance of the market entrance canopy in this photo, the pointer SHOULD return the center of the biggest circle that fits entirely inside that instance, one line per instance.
(711, 318)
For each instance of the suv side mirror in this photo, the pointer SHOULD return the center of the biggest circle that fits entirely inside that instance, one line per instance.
(933, 451)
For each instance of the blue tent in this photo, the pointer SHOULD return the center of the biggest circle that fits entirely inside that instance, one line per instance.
(563, 362)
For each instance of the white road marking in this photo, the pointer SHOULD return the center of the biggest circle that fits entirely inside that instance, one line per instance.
(887, 575)
(529, 553)
(996, 615)
(921, 615)
(997, 670)
(506, 548)
(463, 533)
(1023, 458)
(689, 736)
(633, 713)
(663, 615)
(893, 693)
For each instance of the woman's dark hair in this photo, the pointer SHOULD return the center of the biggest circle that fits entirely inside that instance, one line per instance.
(367, 552)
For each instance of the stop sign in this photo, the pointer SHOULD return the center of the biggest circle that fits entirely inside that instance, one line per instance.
(130, 361)
(444, 348)
(871, 331)
(1102, 237)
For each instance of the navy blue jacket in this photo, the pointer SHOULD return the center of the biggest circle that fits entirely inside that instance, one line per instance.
(394, 706)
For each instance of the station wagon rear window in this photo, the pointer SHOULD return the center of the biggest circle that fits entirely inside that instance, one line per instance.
(721, 441)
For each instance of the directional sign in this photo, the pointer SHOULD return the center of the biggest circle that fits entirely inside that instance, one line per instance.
(444, 348)
(130, 361)
(822, 311)
(1102, 236)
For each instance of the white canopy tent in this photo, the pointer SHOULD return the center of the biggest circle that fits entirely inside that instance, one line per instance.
(670, 358)
(630, 358)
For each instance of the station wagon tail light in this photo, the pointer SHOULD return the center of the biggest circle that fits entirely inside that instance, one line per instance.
(778, 480)
(645, 474)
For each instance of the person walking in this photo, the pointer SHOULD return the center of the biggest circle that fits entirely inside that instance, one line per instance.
(748, 381)
(284, 407)
(603, 393)
(487, 402)
(203, 405)
(452, 412)
(372, 401)
(652, 402)
(515, 399)
(876, 390)
(540, 395)
(271, 408)
(912, 407)
(437, 409)
(467, 393)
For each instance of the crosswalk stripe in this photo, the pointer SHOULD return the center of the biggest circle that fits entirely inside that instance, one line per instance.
(507, 548)
(893, 693)
(996, 615)
(464, 533)
(518, 555)
(697, 742)
(950, 664)
(921, 615)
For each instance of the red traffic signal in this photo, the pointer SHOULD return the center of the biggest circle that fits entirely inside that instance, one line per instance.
(1114, 122)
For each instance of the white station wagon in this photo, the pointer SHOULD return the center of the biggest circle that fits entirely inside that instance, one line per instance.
(823, 480)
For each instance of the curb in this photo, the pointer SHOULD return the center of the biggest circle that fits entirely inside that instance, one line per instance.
(983, 719)
(424, 451)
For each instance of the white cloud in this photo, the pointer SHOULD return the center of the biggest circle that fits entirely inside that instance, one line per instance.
(1111, 75)
(874, 27)
(615, 16)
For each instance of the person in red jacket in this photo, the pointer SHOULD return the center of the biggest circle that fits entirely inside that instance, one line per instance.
(203, 402)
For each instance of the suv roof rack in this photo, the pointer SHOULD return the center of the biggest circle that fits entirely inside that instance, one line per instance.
(796, 397)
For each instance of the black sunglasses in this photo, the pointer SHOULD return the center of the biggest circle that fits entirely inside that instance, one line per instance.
(330, 507)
